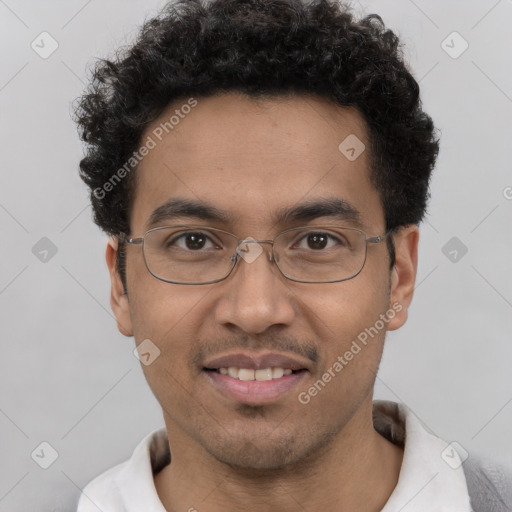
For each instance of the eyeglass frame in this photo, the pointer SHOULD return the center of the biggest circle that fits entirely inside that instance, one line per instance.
(235, 258)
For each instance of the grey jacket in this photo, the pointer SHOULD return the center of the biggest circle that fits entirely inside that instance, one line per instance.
(489, 486)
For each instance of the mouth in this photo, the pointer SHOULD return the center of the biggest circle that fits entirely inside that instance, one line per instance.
(249, 374)
(255, 380)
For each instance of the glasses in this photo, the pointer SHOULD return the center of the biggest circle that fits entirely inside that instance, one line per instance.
(187, 254)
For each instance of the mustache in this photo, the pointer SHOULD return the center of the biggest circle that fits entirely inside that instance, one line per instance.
(288, 344)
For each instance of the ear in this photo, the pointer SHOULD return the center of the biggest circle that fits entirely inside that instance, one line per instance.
(403, 275)
(118, 299)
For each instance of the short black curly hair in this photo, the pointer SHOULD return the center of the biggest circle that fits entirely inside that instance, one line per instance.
(264, 48)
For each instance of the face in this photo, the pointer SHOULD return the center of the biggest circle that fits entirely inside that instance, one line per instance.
(251, 160)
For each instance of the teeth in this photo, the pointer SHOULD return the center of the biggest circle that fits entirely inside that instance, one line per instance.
(250, 374)
(265, 374)
(277, 373)
(245, 374)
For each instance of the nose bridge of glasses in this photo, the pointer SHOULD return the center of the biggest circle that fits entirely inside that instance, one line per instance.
(250, 252)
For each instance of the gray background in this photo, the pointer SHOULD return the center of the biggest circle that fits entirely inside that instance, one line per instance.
(69, 378)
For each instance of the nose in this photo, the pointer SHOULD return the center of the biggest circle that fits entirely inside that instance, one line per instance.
(255, 297)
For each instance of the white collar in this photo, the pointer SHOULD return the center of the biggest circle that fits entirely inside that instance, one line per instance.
(426, 481)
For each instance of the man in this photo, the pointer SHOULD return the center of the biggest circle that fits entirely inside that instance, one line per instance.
(262, 168)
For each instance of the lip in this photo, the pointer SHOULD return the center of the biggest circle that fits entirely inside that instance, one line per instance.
(253, 392)
(257, 361)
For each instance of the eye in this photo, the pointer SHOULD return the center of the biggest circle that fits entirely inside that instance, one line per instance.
(319, 240)
(192, 241)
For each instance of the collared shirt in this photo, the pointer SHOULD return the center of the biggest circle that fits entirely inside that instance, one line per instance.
(431, 477)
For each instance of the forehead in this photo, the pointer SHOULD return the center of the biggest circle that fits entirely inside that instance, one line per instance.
(252, 157)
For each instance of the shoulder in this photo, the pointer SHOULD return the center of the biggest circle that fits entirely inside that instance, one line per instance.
(489, 485)
(129, 485)
(102, 493)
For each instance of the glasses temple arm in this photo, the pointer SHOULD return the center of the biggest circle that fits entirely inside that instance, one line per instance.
(380, 238)
(124, 238)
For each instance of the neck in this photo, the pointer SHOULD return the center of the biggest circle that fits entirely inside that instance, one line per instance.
(357, 471)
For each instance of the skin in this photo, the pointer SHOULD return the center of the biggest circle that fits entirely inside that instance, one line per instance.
(249, 158)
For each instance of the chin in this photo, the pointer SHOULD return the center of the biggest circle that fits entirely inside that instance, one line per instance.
(266, 452)
(253, 457)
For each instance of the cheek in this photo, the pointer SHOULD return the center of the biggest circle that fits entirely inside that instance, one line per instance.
(347, 320)
(344, 309)
(350, 334)
(165, 311)
(167, 315)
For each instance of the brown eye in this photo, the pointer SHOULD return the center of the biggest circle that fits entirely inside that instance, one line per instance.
(192, 241)
(195, 240)
(321, 241)
(317, 241)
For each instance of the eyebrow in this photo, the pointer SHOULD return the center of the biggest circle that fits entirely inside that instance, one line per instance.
(338, 209)
(178, 208)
